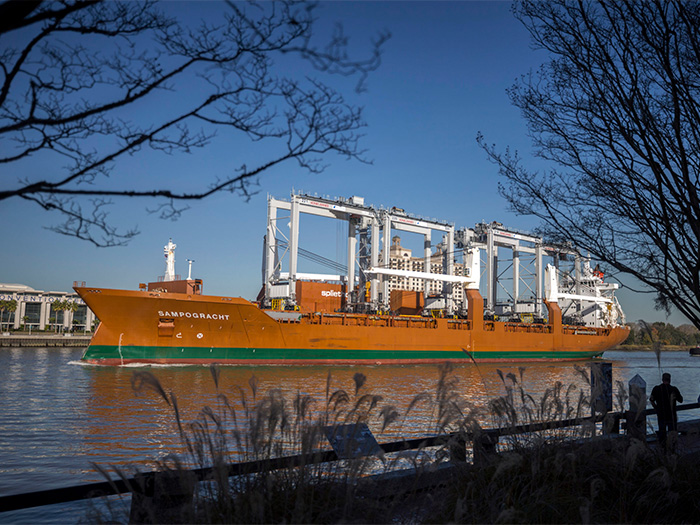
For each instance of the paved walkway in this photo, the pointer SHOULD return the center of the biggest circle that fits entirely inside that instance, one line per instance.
(688, 438)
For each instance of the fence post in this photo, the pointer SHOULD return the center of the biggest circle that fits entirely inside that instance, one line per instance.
(457, 447)
(484, 447)
(163, 497)
(601, 393)
(611, 424)
(636, 420)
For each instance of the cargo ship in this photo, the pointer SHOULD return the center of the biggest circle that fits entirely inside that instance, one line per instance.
(386, 307)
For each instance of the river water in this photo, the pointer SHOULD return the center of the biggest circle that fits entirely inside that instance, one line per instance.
(58, 416)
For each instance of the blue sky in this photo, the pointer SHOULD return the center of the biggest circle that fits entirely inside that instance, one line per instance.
(443, 79)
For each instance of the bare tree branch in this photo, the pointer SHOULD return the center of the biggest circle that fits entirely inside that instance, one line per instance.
(72, 74)
(616, 110)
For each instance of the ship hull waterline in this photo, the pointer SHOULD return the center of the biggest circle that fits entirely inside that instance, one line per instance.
(172, 328)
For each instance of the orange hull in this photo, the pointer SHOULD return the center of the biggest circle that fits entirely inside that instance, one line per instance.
(161, 327)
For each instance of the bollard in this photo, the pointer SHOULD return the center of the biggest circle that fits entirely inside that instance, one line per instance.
(457, 447)
(636, 420)
(601, 391)
(163, 497)
(484, 448)
(611, 424)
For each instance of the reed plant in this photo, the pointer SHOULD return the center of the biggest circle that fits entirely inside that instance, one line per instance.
(569, 475)
(551, 476)
(617, 482)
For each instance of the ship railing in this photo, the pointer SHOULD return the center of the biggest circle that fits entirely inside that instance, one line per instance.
(289, 320)
(534, 328)
(530, 328)
(349, 319)
(585, 330)
(538, 328)
(459, 324)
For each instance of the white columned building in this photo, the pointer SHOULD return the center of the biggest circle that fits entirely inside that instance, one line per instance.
(34, 310)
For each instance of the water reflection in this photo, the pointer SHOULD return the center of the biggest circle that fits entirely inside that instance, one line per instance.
(121, 427)
(56, 417)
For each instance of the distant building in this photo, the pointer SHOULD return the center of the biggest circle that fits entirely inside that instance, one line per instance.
(401, 258)
(35, 306)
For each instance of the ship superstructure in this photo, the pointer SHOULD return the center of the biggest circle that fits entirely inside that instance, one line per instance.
(508, 266)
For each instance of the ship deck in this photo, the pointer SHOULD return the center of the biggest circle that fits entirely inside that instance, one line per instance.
(349, 319)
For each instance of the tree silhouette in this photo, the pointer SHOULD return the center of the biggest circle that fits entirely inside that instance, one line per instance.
(9, 305)
(85, 84)
(616, 112)
(59, 306)
(70, 307)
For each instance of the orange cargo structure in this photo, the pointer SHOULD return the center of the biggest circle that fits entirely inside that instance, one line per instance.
(406, 302)
(187, 286)
(320, 297)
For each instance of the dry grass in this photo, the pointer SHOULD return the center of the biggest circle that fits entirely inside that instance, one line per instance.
(613, 482)
(545, 477)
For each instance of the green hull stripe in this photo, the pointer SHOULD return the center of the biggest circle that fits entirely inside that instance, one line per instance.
(174, 354)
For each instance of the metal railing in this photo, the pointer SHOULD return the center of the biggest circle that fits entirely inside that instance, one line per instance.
(455, 441)
(483, 442)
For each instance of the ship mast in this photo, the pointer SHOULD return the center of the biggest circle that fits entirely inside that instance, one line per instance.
(169, 251)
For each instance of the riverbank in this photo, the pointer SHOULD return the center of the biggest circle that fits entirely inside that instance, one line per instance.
(43, 339)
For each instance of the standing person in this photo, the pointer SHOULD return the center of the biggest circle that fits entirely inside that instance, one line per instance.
(664, 398)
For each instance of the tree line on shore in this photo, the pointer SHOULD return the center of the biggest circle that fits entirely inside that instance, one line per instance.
(642, 333)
